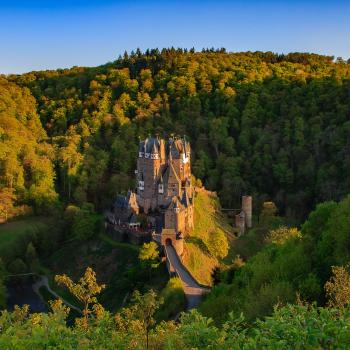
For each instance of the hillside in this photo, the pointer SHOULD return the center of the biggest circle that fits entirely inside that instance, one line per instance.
(208, 220)
(294, 265)
(274, 126)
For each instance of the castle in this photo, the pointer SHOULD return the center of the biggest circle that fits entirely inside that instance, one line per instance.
(164, 191)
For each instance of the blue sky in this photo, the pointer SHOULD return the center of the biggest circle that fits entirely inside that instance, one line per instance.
(57, 34)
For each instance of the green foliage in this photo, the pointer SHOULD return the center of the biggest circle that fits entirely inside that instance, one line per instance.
(257, 122)
(31, 257)
(289, 327)
(7, 200)
(211, 228)
(139, 317)
(291, 263)
(16, 235)
(217, 244)
(174, 300)
(149, 251)
(275, 126)
(2, 285)
(282, 234)
(17, 266)
(85, 224)
(27, 174)
(149, 254)
(338, 287)
(85, 290)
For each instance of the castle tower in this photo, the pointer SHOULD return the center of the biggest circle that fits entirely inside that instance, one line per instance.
(240, 222)
(164, 191)
(247, 209)
(148, 169)
(164, 180)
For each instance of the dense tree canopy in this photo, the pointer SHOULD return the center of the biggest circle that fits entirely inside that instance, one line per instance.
(275, 126)
(26, 158)
(292, 263)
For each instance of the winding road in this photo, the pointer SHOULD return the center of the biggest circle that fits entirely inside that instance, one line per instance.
(44, 282)
(192, 289)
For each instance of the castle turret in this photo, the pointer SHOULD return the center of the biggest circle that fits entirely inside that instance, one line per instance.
(240, 222)
(163, 172)
(247, 209)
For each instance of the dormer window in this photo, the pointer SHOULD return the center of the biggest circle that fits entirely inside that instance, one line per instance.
(147, 155)
(177, 210)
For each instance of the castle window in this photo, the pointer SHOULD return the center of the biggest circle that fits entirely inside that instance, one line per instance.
(185, 159)
(141, 185)
(160, 188)
(154, 156)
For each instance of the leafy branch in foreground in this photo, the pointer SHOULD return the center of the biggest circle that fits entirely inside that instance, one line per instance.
(85, 291)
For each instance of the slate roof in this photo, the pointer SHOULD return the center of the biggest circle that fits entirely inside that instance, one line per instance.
(150, 145)
(121, 202)
(175, 203)
(174, 146)
(133, 219)
(170, 172)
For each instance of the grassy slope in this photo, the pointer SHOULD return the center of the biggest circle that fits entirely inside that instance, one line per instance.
(14, 231)
(207, 218)
(116, 264)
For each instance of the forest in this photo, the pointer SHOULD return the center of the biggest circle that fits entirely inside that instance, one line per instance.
(270, 125)
(274, 126)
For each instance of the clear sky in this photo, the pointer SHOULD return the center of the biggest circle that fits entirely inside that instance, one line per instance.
(53, 34)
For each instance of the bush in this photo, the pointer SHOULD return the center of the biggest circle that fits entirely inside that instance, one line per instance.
(217, 244)
(85, 225)
(174, 299)
(17, 266)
